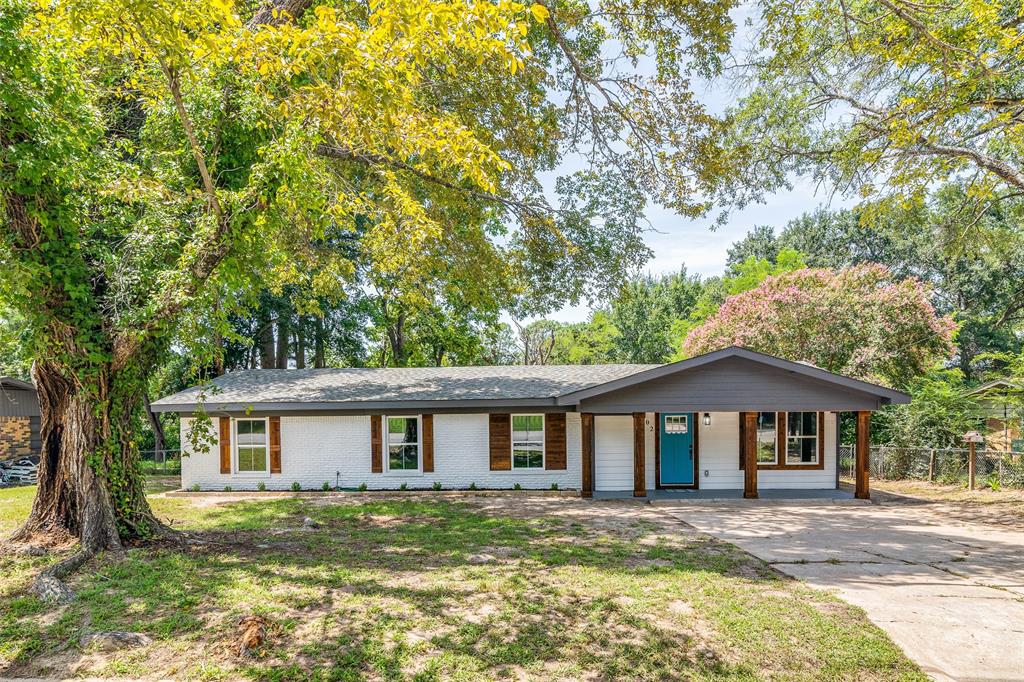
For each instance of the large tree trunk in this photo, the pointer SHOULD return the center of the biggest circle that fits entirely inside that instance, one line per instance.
(89, 482)
(300, 343)
(159, 441)
(319, 359)
(268, 358)
(282, 339)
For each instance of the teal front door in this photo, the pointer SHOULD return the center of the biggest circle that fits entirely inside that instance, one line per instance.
(677, 448)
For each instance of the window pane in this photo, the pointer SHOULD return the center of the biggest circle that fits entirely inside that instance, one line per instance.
(676, 424)
(810, 425)
(527, 427)
(809, 451)
(793, 450)
(252, 459)
(766, 438)
(251, 432)
(802, 450)
(403, 457)
(402, 430)
(528, 456)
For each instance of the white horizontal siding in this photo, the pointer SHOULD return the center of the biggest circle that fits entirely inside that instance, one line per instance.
(720, 458)
(336, 449)
(613, 452)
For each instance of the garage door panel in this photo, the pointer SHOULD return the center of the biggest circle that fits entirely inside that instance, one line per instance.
(613, 453)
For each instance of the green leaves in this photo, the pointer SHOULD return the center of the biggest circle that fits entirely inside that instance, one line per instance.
(881, 99)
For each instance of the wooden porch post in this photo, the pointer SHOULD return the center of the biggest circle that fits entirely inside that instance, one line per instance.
(587, 429)
(749, 449)
(639, 454)
(862, 455)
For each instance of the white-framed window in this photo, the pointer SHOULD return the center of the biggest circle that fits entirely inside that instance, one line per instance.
(252, 451)
(802, 438)
(402, 443)
(528, 441)
(767, 438)
(677, 423)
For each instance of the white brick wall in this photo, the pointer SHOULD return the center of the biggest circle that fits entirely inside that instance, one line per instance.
(337, 449)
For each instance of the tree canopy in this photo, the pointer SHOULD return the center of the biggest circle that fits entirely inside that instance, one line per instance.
(883, 99)
(858, 321)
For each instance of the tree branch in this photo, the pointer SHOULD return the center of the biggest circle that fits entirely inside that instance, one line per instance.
(346, 154)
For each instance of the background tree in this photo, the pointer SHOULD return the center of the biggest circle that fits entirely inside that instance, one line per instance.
(161, 160)
(845, 322)
(884, 99)
(150, 154)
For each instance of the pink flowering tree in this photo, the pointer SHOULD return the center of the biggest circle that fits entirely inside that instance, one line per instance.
(860, 321)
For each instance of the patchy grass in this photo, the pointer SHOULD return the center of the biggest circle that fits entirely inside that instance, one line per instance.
(421, 589)
(993, 507)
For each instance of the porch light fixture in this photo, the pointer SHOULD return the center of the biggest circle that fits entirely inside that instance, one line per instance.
(707, 419)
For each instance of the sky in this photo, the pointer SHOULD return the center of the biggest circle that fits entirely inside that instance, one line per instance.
(677, 241)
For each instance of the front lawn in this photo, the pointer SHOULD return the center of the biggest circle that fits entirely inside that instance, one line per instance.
(424, 589)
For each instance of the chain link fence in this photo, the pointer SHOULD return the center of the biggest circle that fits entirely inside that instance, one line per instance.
(160, 462)
(993, 468)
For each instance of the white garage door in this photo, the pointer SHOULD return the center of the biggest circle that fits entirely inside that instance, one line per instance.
(613, 453)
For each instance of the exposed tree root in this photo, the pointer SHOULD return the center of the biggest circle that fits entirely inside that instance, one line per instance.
(50, 586)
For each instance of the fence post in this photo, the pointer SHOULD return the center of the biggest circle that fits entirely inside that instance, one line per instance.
(931, 466)
(970, 464)
(1000, 471)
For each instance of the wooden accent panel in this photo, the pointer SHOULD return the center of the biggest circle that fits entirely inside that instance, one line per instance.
(861, 454)
(275, 445)
(748, 447)
(427, 424)
(501, 442)
(225, 445)
(376, 444)
(587, 436)
(639, 448)
(657, 449)
(698, 420)
(554, 441)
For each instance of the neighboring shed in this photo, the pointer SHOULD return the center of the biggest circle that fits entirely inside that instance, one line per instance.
(999, 403)
(19, 419)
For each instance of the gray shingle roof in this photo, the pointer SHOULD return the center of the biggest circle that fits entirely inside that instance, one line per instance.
(353, 387)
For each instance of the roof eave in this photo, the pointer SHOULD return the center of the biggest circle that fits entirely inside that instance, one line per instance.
(482, 404)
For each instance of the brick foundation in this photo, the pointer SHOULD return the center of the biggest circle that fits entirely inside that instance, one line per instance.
(15, 437)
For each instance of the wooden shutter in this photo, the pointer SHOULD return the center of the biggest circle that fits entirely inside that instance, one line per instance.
(275, 445)
(225, 445)
(427, 438)
(501, 442)
(376, 444)
(554, 441)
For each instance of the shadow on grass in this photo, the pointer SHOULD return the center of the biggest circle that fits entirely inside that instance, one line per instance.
(410, 589)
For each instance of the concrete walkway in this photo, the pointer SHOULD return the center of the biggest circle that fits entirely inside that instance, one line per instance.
(951, 594)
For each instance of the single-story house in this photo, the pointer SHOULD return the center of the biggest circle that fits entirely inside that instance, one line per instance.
(19, 419)
(731, 419)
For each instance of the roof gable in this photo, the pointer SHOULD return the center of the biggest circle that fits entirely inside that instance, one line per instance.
(770, 370)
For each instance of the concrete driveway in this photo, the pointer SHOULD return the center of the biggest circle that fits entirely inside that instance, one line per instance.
(950, 593)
